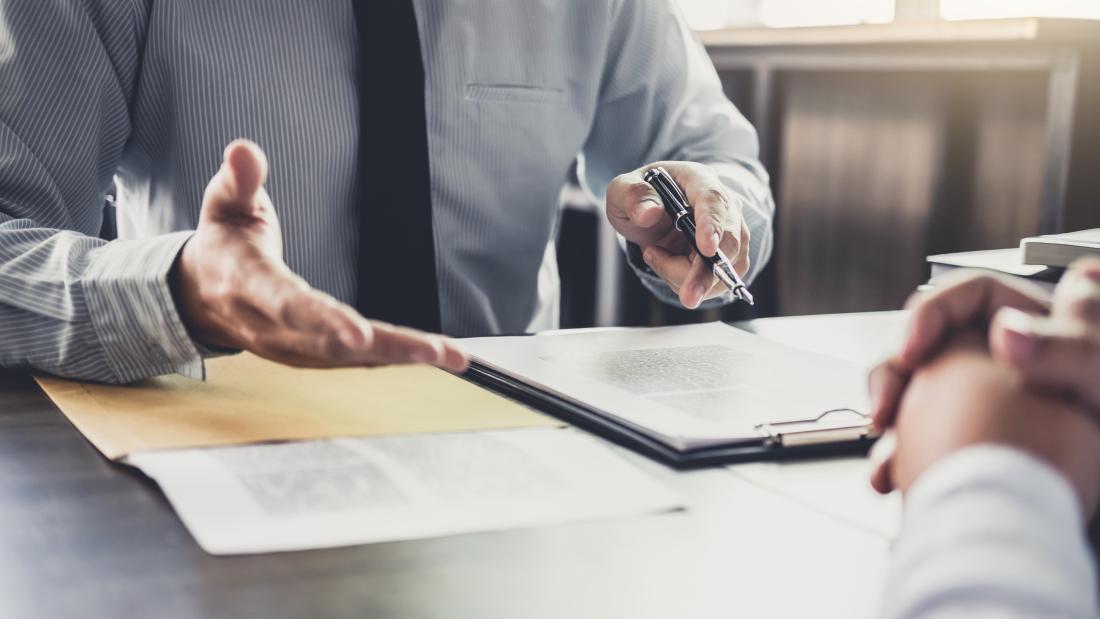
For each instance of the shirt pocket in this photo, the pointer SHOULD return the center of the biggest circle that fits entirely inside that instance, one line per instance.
(514, 93)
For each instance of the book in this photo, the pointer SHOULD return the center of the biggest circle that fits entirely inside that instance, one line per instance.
(1059, 250)
(1004, 261)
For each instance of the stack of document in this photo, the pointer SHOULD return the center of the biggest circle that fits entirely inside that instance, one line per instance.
(402, 453)
(1002, 261)
(1060, 250)
(262, 457)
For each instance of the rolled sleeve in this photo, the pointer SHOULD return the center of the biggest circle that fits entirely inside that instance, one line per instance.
(991, 531)
(132, 311)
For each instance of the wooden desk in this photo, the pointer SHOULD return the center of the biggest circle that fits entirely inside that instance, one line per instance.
(80, 536)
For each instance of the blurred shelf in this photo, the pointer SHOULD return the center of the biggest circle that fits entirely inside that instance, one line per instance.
(938, 31)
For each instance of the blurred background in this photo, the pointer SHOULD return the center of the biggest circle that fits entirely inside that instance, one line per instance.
(893, 129)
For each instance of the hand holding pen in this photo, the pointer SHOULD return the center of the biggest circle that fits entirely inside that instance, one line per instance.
(641, 214)
(678, 209)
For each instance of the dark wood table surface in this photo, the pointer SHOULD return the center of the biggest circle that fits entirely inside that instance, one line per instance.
(83, 537)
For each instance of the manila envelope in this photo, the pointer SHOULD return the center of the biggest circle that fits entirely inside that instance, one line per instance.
(246, 399)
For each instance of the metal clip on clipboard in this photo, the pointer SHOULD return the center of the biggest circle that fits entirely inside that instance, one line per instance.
(834, 426)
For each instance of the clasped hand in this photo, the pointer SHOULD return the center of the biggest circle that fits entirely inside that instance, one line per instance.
(1046, 351)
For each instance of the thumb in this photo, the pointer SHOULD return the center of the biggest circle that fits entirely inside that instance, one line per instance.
(247, 167)
(633, 201)
(233, 190)
(1058, 355)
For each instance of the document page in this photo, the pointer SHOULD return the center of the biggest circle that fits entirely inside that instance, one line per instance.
(834, 486)
(687, 385)
(316, 494)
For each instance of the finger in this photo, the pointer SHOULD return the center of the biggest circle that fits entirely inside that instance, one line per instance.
(454, 359)
(740, 263)
(1089, 266)
(969, 300)
(700, 279)
(1055, 354)
(247, 165)
(633, 204)
(234, 189)
(389, 346)
(305, 322)
(311, 311)
(716, 290)
(673, 268)
(886, 384)
(305, 349)
(716, 221)
(882, 461)
(1077, 297)
(287, 303)
(394, 344)
(326, 342)
(741, 259)
(286, 300)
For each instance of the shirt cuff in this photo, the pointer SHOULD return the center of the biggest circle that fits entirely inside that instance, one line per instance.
(132, 310)
(990, 529)
(1008, 469)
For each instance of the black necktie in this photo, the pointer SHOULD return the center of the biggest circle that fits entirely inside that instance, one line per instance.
(397, 280)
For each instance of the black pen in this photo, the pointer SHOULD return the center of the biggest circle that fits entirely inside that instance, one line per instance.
(677, 208)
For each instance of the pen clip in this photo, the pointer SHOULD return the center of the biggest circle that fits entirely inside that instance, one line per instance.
(833, 426)
(675, 202)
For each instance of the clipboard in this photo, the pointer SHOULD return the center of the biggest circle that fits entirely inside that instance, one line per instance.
(833, 433)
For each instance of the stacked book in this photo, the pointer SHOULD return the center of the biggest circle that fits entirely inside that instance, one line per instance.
(1041, 259)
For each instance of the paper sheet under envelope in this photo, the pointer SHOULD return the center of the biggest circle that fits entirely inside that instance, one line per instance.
(246, 399)
(316, 494)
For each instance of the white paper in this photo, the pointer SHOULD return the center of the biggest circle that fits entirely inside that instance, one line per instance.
(839, 487)
(316, 494)
(687, 385)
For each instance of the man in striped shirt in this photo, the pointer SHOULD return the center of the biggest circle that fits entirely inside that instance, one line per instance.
(413, 152)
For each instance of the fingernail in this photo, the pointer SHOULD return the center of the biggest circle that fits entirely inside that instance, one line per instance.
(717, 238)
(700, 291)
(884, 447)
(647, 255)
(644, 207)
(912, 335)
(874, 387)
(1092, 273)
(1020, 338)
(349, 339)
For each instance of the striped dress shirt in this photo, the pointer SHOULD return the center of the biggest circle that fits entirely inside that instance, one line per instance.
(147, 93)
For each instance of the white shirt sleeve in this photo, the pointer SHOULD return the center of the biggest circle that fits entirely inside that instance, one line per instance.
(991, 531)
(661, 99)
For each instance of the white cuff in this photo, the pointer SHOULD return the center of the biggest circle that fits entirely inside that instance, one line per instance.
(132, 310)
(991, 531)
